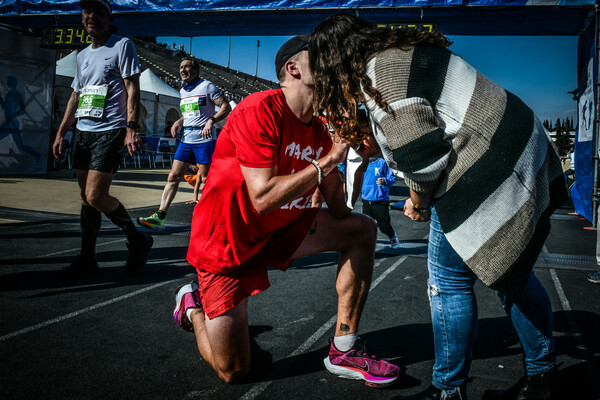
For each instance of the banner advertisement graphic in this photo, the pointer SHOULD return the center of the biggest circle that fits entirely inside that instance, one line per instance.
(26, 81)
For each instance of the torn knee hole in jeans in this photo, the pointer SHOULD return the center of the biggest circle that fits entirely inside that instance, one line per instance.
(433, 291)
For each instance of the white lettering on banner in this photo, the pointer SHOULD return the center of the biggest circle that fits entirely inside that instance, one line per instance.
(293, 150)
(587, 107)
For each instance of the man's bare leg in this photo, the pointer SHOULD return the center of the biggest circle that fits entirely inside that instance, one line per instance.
(94, 191)
(224, 341)
(203, 173)
(355, 238)
(175, 176)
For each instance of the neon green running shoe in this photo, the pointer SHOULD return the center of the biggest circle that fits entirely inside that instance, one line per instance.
(152, 222)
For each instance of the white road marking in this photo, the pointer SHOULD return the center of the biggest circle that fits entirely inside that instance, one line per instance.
(262, 386)
(576, 332)
(584, 352)
(83, 311)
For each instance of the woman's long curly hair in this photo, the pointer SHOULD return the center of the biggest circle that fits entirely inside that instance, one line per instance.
(339, 50)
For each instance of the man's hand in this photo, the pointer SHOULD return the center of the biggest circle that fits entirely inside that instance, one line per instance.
(133, 141)
(339, 150)
(207, 130)
(380, 181)
(175, 130)
(58, 147)
(176, 127)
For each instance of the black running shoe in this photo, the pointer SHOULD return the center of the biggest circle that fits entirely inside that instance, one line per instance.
(81, 267)
(138, 253)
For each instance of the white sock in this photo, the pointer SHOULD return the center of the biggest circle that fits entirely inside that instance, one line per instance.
(345, 343)
(188, 313)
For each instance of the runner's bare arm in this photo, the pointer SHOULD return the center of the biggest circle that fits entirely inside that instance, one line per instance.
(133, 142)
(224, 110)
(332, 189)
(176, 127)
(67, 122)
(268, 191)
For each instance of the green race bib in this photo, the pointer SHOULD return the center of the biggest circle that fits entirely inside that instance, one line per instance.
(190, 107)
(91, 101)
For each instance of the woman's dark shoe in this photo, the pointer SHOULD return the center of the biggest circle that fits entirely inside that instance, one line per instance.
(531, 387)
(433, 393)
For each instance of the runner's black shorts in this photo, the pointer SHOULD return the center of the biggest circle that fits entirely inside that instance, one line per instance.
(98, 151)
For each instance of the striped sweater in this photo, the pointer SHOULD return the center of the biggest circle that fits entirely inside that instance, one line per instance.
(490, 163)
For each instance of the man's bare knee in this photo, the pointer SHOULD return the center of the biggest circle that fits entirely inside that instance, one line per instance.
(174, 177)
(94, 198)
(233, 376)
(365, 229)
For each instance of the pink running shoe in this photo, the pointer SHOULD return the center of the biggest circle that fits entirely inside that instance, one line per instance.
(360, 363)
(187, 297)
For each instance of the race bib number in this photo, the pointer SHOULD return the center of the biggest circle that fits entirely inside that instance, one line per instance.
(91, 102)
(190, 106)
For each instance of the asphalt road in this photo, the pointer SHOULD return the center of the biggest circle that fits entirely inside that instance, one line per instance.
(113, 337)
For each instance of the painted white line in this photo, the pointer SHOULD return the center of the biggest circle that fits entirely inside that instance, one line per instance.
(584, 353)
(262, 386)
(73, 250)
(83, 311)
(561, 295)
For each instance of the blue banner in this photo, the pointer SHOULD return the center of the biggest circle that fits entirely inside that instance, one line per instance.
(289, 17)
(584, 139)
(57, 6)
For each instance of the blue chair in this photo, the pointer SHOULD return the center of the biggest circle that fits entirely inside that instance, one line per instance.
(164, 150)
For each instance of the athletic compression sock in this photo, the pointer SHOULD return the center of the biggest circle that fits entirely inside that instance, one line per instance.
(90, 226)
(161, 214)
(345, 343)
(121, 218)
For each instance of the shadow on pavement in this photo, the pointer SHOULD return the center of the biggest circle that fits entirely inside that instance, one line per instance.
(109, 277)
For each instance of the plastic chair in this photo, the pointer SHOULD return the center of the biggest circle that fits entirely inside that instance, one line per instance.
(165, 151)
(148, 155)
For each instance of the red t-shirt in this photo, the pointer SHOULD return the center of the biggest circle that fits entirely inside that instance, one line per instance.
(261, 132)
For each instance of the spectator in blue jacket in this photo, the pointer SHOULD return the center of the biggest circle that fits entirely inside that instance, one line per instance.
(375, 196)
(377, 181)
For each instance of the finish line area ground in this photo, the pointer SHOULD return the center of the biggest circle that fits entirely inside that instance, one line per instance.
(113, 336)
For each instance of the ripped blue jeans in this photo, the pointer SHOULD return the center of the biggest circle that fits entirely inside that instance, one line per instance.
(454, 315)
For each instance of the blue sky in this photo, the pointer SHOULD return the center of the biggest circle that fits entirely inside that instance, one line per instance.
(540, 70)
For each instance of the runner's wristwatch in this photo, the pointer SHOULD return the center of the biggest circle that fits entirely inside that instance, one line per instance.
(133, 125)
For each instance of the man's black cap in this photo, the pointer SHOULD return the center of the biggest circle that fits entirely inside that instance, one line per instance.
(290, 48)
(104, 3)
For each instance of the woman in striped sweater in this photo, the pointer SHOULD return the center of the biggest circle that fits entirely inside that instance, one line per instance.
(478, 163)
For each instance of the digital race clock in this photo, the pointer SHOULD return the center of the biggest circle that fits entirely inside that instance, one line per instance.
(65, 37)
(421, 26)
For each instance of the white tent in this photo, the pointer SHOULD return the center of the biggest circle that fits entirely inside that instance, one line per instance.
(149, 82)
(160, 104)
(67, 66)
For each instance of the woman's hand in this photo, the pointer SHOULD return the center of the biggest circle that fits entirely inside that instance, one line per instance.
(413, 214)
